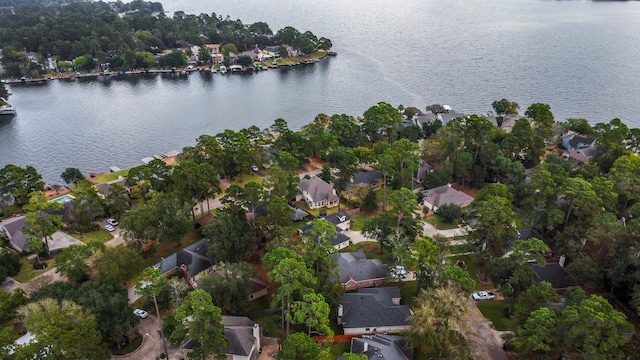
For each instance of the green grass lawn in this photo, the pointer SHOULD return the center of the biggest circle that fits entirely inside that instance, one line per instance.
(436, 221)
(109, 176)
(519, 219)
(247, 178)
(270, 324)
(458, 249)
(101, 235)
(27, 272)
(495, 311)
(339, 349)
(358, 221)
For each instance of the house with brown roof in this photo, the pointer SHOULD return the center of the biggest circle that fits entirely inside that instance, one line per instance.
(373, 311)
(356, 271)
(317, 193)
(436, 197)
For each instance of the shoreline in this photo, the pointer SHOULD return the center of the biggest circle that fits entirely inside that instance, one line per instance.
(257, 67)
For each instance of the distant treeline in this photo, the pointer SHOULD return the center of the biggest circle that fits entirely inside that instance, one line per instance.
(126, 35)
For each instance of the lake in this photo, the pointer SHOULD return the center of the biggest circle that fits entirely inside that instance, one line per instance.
(580, 57)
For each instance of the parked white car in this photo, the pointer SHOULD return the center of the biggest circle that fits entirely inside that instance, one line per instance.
(398, 272)
(112, 222)
(483, 295)
(140, 313)
(109, 228)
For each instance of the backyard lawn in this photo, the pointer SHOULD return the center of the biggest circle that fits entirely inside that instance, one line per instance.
(436, 221)
(495, 311)
(101, 235)
(271, 324)
(103, 178)
(27, 272)
(472, 269)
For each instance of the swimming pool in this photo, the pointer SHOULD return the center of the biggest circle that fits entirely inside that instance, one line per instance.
(62, 199)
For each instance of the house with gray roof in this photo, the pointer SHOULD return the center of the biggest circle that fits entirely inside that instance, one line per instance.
(339, 242)
(574, 141)
(244, 338)
(192, 261)
(11, 231)
(340, 219)
(356, 271)
(317, 193)
(381, 347)
(424, 169)
(373, 311)
(436, 197)
(556, 275)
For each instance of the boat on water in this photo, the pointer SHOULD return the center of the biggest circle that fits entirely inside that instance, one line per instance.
(223, 69)
(6, 108)
(332, 53)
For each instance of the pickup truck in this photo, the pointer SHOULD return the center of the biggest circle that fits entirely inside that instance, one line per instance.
(483, 295)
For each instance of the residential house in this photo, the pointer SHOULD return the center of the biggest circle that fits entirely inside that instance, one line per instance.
(436, 197)
(445, 117)
(213, 48)
(386, 347)
(104, 187)
(244, 339)
(340, 219)
(356, 271)
(339, 242)
(217, 59)
(257, 287)
(581, 155)
(373, 311)
(192, 261)
(233, 57)
(11, 231)
(556, 275)
(370, 178)
(574, 141)
(297, 214)
(318, 193)
(424, 169)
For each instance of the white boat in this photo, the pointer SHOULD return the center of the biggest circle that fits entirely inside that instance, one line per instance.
(7, 109)
(223, 69)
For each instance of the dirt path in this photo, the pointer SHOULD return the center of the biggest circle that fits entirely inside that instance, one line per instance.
(483, 340)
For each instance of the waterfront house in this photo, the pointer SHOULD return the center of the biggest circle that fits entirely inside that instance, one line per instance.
(436, 197)
(356, 271)
(244, 336)
(581, 155)
(574, 141)
(191, 261)
(213, 48)
(387, 347)
(373, 311)
(317, 193)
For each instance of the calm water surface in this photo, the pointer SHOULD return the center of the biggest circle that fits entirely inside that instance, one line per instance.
(580, 57)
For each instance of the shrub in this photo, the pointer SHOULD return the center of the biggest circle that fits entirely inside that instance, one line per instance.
(449, 213)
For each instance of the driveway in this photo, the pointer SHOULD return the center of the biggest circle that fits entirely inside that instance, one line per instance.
(357, 236)
(62, 240)
(430, 230)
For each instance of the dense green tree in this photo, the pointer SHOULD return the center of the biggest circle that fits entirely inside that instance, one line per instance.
(426, 255)
(42, 218)
(313, 311)
(381, 119)
(505, 106)
(87, 205)
(117, 201)
(63, 329)
(195, 181)
(229, 287)
(294, 279)
(299, 346)
(74, 261)
(72, 176)
(9, 304)
(400, 162)
(229, 236)
(458, 278)
(537, 336)
(543, 118)
(9, 264)
(534, 298)
(279, 213)
(449, 213)
(512, 273)
(19, 183)
(438, 323)
(202, 320)
(118, 264)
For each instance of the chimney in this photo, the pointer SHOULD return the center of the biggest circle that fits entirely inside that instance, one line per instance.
(365, 347)
(340, 310)
(256, 334)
